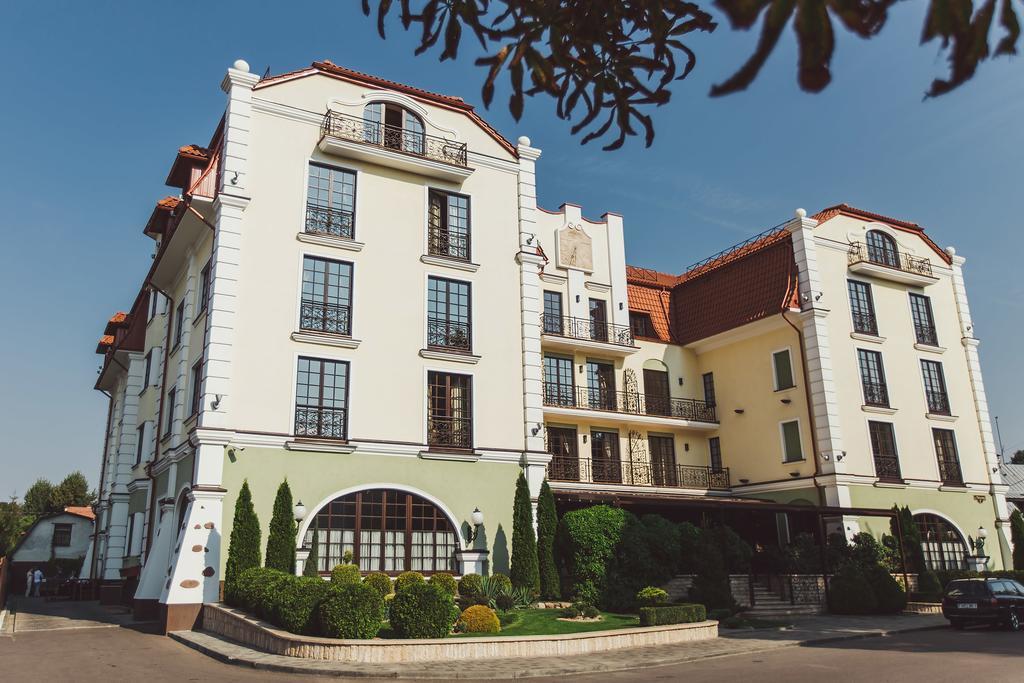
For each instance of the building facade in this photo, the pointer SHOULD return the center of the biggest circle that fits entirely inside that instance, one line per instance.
(355, 290)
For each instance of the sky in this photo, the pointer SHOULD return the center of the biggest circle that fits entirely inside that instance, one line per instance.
(96, 98)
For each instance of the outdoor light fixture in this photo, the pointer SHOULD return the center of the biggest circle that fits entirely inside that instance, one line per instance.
(738, 411)
(477, 518)
(680, 381)
(300, 511)
(982, 534)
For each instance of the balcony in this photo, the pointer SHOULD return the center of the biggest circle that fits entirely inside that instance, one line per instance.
(570, 334)
(637, 473)
(447, 243)
(887, 468)
(321, 422)
(890, 265)
(325, 220)
(865, 323)
(316, 316)
(938, 402)
(449, 335)
(393, 146)
(949, 472)
(876, 394)
(926, 334)
(450, 432)
(641, 408)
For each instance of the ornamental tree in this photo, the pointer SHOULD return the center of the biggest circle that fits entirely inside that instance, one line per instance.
(547, 528)
(281, 539)
(1017, 536)
(524, 572)
(244, 546)
(310, 568)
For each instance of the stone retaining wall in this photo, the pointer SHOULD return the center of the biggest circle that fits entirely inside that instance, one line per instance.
(678, 588)
(262, 636)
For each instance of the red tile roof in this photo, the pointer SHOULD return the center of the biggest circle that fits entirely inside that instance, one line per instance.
(654, 301)
(118, 318)
(157, 223)
(105, 342)
(899, 224)
(194, 152)
(81, 511)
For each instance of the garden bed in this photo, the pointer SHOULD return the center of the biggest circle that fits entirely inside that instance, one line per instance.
(546, 622)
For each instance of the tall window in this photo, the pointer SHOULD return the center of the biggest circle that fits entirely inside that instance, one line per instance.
(924, 323)
(782, 364)
(882, 249)
(601, 385)
(656, 393)
(872, 378)
(943, 546)
(641, 325)
(935, 387)
(558, 381)
(448, 314)
(321, 398)
(663, 460)
(204, 289)
(393, 126)
(715, 453)
(154, 297)
(147, 378)
(197, 387)
(606, 464)
(386, 531)
(140, 443)
(179, 323)
(565, 461)
(448, 225)
(449, 410)
(172, 396)
(862, 307)
(947, 456)
(883, 449)
(553, 313)
(598, 320)
(709, 388)
(330, 201)
(326, 304)
(792, 448)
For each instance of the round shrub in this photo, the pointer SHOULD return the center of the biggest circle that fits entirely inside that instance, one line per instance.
(587, 610)
(239, 592)
(651, 597)
(407, 579)
(471, 586)
(420, 610)
(505, 601)
(445, 582)
(850, 593)
(500, 583)
(351, 610)
(262, 598)
(889, 594)
(570, 613)
(345, 573)
(297, 604)
(479, 619)
(379, 582)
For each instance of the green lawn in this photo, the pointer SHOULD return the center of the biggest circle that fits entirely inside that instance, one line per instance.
(536, 622)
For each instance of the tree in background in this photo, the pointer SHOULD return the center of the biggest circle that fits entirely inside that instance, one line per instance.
(1017, 458)
(72, 491)
(547, 528)
(244, 546)
(310, 568)
(281, 539)
(37, 498)
(13, 523)
(524, 571)
(1017, 536)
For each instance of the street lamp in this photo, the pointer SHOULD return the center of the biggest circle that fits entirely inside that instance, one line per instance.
(982, 535)
(477, 518)
(300, 511)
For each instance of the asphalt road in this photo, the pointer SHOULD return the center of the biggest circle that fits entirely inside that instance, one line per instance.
(132, 654)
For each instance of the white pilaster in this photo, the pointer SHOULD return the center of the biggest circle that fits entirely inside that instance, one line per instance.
(619, 299)
(195, 560)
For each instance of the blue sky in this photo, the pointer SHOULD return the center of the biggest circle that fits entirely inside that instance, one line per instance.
(97, 97)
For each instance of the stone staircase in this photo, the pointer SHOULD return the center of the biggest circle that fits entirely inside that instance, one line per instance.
(768, 605)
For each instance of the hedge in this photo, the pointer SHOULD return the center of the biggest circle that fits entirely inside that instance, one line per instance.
(421, 610)
(353, 610)
(672, 614)
(297, 602)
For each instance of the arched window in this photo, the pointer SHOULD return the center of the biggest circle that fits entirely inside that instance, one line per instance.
(386, 531)
(393, 126)
(882, 249)
(943, 546)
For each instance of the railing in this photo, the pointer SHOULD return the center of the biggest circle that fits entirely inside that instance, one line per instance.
(636, 473)
(865, 323)
(320, 422)
(860, 252)
(887, 468)
(949, 472)
(324, 317)
(448, 334)
(584, 328)
(629, 403)
(450, 432)
(397, 138)
(445, 242)
(938, 402)
(325, 220)
(926, 334)
(876, 394)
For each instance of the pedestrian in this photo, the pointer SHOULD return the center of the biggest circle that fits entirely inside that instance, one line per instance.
(29, 579)
(37, 581)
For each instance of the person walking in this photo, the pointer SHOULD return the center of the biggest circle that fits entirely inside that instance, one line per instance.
(37, 581)
(29, 579)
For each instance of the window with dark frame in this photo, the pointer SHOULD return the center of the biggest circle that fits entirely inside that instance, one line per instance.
(179, 323)
(947, 456)
(642, 325)
(330, 201)
(448, 225)
(715, 453)
(708, 379)
(663, 460)
(882, 249)
(172, 395)
(782, 365)
(883, 450)
(449, 410)
(793, 450)
(565, 460)
(553, 323)
(944, 548)
(657, 398)
(153, 296)
(924, 322)
(326, 304)
(449, 325)
(197, 388)
(606, 463)
(204, 289)
(147, 378)
(393, 126)
(61, 535)
(321, 398)
(601, 394)
(559, 382)
(140, 442)
(872, 377)
(935, 387)
(598, 319)
(130, 536)
(862, 307)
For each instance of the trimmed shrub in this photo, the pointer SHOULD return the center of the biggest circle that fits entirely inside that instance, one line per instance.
(1017, 536)
(571, 613)
(664, 540)
(929, 587)
(420, 610)
(505, 601)
(736, 553)
(524, 571)
(262, 600)
(803, 556)
(281, 539)
(246, 585)
(689, 544)
(651, 597)
(586, 610)
(635, 562)
(297, 602)
(547, 529)
(850, 593)
(311, 568)
(588, 539)
(672, 614)
(499, 583)
(719, 614)
(445, 582)
(865, 550)
(711, 586)
(407, 579)
(889, 594)
(379, 582)
(345, 573)
(479, 619)
(244, 546)
(350, 610)
(471, 586)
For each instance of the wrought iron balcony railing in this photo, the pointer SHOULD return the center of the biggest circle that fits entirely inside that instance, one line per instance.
(325, 220)
(444, 242)
(926, 334)
(876, 394)
(321, 422)
(949, 472)
(318, 316)
(450, 432)
(637, 473)
(629, 403)
(584, 328)
(860, 252)
(356, 129)
(938, 402)
(887, 467)
(448, 334)
(865, 323)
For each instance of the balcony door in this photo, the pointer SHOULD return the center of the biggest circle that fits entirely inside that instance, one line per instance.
(601, 385)
(598, 320)
(663, 460)
(606, 463)
(558, 382)
(656, 394)
(565, 459)
(882, 249)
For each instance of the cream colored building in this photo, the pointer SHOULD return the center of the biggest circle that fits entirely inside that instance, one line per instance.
(355, 290)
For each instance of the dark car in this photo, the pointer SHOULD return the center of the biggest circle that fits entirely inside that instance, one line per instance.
(984, 601)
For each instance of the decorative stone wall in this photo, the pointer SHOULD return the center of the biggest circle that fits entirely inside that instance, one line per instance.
(678, 588)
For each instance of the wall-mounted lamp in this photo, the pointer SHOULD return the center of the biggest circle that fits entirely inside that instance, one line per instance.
(299, 511)
(234, 178)
(680, 381)
(477, 518)
(577, 298)
(584, 438)
(620, 305)
(794, 474)
(215, 403)
(536, 430)
(686, 446)
(840, 456)
(825, 457)
(581, 369)
(744, 481)
(738, 411)
(786, 401)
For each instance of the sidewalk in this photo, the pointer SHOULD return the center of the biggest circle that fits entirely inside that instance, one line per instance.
(803, 632)
(37, 614)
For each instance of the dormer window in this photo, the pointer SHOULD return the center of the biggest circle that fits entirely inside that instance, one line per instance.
(882, 249)
(393, 126)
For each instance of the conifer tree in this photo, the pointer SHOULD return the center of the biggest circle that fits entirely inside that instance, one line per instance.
(1017, 536)
(310, 568)
(244, 546)
(281, 539)
(547, 527)
(524, 572)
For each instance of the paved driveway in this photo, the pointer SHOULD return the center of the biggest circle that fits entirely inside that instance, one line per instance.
(38, 614)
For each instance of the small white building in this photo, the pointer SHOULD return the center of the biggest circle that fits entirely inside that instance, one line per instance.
(63, 536)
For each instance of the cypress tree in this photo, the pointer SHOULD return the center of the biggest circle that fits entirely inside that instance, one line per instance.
(524, 572)
(547, 527)
(244, 546)
(310, 568)
(281, 539)
(1017, 536)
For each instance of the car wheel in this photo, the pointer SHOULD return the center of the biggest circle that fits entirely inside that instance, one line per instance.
(958, 624)
(1013, 620)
